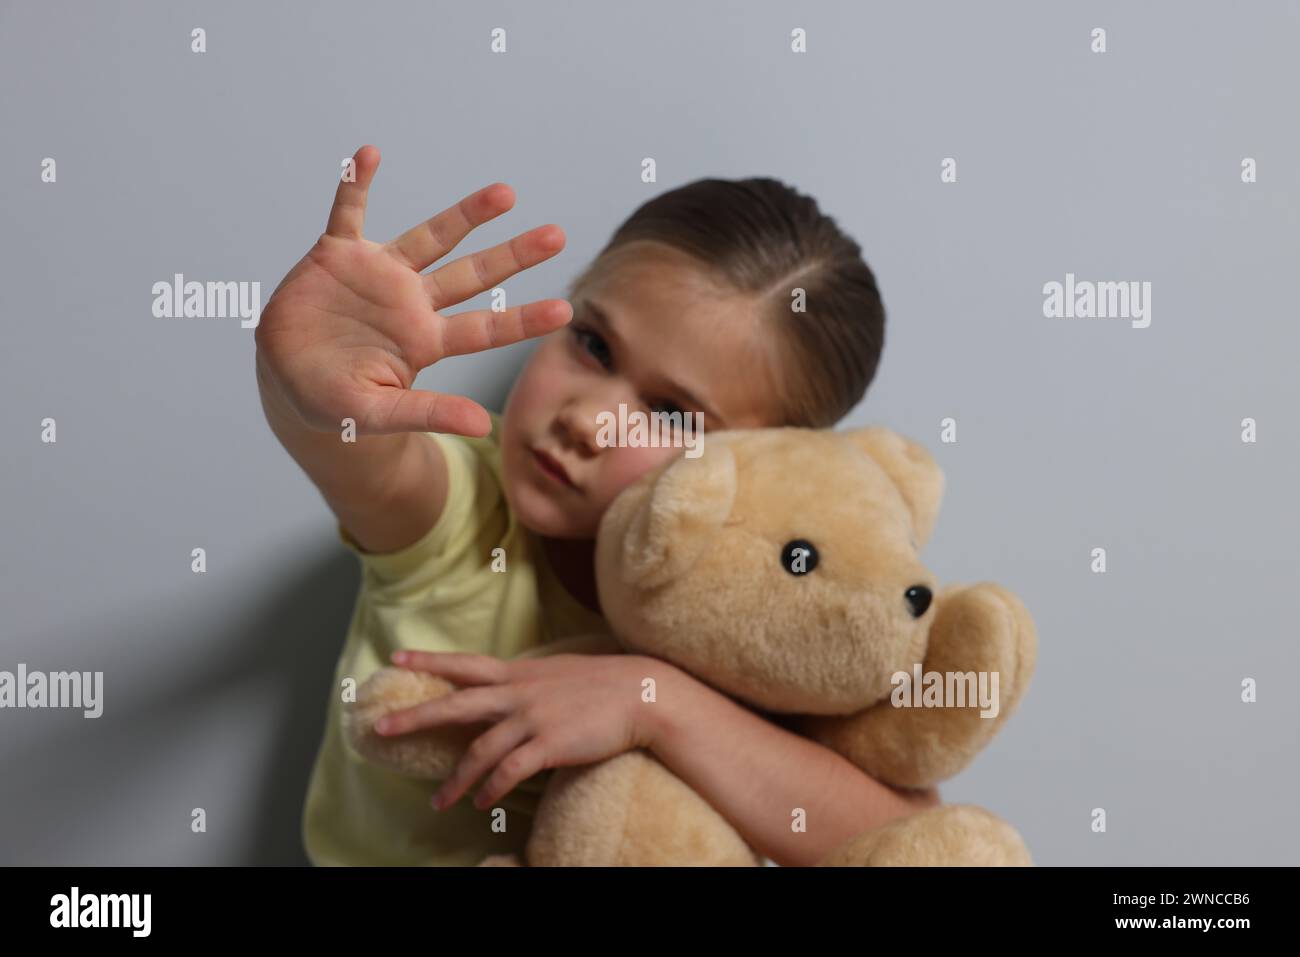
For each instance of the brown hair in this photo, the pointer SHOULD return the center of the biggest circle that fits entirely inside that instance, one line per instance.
(763, 238)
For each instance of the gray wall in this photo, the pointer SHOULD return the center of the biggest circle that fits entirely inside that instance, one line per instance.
(1072, 434)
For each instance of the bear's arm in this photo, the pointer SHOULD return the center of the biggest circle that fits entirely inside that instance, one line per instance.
(981, 629)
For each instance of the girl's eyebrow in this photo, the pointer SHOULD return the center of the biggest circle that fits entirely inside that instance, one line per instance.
(601, 318)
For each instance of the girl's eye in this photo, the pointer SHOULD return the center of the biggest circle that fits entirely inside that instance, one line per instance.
(593, 344)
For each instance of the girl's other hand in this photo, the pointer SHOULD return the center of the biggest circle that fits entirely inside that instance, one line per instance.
(565, 709)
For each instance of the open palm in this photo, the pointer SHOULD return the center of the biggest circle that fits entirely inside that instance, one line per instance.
(352, 324)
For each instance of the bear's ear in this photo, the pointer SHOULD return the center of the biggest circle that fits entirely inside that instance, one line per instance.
(668, 520)
(912, 469)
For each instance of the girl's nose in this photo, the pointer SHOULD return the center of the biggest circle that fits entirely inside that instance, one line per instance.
(579, 420)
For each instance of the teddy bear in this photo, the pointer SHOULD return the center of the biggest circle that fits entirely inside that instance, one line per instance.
(780, 567)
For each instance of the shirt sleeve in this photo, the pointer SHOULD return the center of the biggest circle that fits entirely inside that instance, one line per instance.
(459, 542)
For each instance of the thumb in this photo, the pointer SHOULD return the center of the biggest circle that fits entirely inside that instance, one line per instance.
(417, 410)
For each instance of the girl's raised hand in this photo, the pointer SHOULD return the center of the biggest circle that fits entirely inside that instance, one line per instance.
(347, 330)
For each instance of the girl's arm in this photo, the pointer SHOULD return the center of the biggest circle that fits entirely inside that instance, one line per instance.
(347, 330)
(575, 709)
(756, 774)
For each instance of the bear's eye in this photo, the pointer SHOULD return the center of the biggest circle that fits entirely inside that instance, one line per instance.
(918, 599)
(799, 557)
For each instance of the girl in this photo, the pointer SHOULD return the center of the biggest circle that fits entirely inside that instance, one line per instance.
(476, 532)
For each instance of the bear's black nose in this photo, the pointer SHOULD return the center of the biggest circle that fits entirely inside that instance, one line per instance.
(918, 598)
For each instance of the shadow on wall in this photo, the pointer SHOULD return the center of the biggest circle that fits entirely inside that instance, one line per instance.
(104, 792)
(311, 617)
(252, 678)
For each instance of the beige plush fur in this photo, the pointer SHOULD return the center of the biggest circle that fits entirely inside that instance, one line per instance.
(689, 570)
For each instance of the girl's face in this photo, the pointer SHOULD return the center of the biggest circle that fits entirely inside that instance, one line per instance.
(652, 334)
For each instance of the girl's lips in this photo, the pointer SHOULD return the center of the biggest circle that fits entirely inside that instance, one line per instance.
(552, 468)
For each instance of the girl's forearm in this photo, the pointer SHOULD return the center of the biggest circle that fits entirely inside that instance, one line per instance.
(757, 774)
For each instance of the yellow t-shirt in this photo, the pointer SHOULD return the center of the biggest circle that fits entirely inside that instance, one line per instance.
(439, 594)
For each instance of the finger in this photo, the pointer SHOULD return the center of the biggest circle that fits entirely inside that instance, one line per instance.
(456, 666)
(470, 275)
(480, 329)
(348, 215)
(415, 410)
(468, 706)
(421, 246)
(519, 765)
(485, 752)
